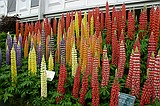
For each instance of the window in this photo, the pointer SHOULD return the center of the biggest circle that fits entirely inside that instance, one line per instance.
(11, 5)
(34, 3)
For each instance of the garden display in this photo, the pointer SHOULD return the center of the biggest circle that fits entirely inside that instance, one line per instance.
(95, 56)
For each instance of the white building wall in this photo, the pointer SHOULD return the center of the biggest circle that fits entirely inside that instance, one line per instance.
(3, 7)
(24, 9)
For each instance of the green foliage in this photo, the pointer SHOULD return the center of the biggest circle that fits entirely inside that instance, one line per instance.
(27, 89)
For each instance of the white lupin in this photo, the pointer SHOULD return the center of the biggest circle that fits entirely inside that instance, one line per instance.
(43, 78)
(74, 60)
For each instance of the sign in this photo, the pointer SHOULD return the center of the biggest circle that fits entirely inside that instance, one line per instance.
(126, 99)
(50, 75)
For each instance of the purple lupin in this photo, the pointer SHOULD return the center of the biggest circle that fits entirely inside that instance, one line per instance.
(32, 43)
(9, 41)
(63, 51)
(43, 41)
(20, 40)
(39, 54)
(51, 45)
(48, 47)
(15, 43)
(18, 55)
(7, 55)
(0, 57)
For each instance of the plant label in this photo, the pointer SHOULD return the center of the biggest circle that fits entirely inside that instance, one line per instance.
(50, 75)
(126, 99)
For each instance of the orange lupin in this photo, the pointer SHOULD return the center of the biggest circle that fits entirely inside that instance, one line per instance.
(70, 55)
(38, 37)
(87, 31)
(59, 37)
(67, 46)
(17, 27)
(93, 44)
(85, 49)
(26, 48)
(34, 40)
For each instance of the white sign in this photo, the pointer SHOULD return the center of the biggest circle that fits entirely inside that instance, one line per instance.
(126, 99)
(50, 75)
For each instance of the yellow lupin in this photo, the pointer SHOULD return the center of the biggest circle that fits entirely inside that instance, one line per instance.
(92, 26)
(33, 62)
(50, 62)
(76, 25)
(77, 29)
(13, 65)
(43, 78)
(74, 60)
(87, 31)
(29, 38)
(29, 63)
(85, 20)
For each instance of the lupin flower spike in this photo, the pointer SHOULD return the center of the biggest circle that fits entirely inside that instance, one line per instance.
(74, 60)
(13, 66)
(43, 78)
(33, 62)
(50, 63)
(7, 55)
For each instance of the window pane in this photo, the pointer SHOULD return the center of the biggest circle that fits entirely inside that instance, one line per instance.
(34, 3)
(11, 6)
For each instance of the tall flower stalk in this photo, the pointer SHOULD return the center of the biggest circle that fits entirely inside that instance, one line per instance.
(51, 45)
(43, 41)
(76, 84)
(121, 60)
(13, 66)
(39, 54)
(50, 63)
(9, 41)
(7, 55)
(105, 68)
(26, 48)
(33, 62)
(74, 60)
(114, 93)
(43, 78)
(18, 54)
(84, 88)
(29, 63)
(135, 90)
(63, 51)
(92, 25)
(61, 82)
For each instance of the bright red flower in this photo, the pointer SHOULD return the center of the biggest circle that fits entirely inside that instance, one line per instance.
(76, 84)
(135, 90)
(131, 25)
(105, 69)
(84, 88)
(114, 93)
(61, 82)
